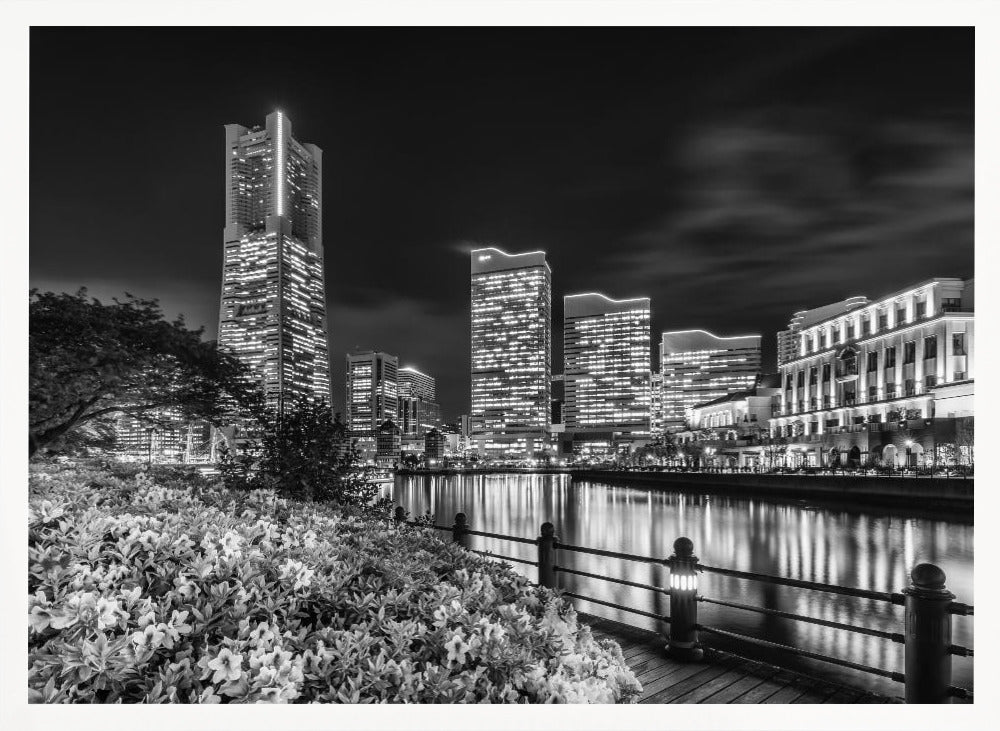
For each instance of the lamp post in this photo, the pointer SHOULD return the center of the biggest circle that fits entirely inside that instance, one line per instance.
(909, 446)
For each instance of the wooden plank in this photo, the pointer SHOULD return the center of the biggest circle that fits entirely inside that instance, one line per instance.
(671, 676)
(844, 695)
(816, 695)
(790, 693)
(699, 695)
(642, 649)
(737, 689)
(762, 692)
(679, 691)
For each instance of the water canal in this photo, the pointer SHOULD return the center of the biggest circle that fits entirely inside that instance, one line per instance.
(836, 544)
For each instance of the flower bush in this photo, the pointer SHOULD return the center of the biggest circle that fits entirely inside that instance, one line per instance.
(173, 589)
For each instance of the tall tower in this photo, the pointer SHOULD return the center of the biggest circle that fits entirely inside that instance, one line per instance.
(511, 352)
(698, 366)
(273, 311)
(606, 370)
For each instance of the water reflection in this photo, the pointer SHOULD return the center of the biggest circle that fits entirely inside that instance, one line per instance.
(872, 550)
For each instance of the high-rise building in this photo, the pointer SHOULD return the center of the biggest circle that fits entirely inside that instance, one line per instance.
(698, 366)
(606, 351)
(273, 310)
(418, 408)
(372, 391)
(511, 352)
(789, 345)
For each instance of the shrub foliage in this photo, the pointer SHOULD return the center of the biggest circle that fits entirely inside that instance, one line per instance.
(171, 589)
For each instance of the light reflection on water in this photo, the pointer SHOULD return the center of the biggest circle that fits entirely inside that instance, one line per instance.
(871, 549)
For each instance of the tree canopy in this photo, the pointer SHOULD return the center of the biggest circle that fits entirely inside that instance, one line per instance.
(91, 361)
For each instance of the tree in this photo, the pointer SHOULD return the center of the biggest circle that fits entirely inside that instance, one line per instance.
(90, 361)
(303, 453)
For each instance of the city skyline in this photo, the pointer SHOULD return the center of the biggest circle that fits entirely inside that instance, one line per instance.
(774, 187)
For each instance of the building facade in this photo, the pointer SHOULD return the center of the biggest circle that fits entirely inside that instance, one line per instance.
(606, 352)
(697, 366)
(372, 396)
(418, 408)
(788, 340)
(883, 384)
(388, 445)
(511, 353)
(273, 308)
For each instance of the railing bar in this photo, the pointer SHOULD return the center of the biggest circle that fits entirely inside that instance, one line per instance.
(963, 693)
(636, 584)
(609, 554)
(963, 610)
(505, 558)
(960, 651)
(894, 636)
(618, 606)
(501, 536)
(802, 584)
(898, 677)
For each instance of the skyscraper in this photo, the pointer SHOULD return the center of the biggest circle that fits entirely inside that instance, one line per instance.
(372, 391)
(511, 352)
(698, 366)
(606, 371)
(273, 311)
(418, 408)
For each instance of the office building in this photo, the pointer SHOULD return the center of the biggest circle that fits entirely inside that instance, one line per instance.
(273, 308)
(697, 366)
(388, 445)
(418, 408)
(511, 353)
(372, 395)
(606, 351)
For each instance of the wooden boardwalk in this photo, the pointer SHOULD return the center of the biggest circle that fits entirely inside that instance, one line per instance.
(720, 678)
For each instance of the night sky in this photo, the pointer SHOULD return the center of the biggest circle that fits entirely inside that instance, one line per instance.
(733, 176)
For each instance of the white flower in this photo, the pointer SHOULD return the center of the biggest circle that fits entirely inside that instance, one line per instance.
(457, 647)
(227, 666)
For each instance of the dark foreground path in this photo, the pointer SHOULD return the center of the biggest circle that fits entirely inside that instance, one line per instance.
(720, 677)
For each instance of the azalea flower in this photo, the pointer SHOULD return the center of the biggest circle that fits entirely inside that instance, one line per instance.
(149, 638)
(227, 666)
(457, 647)
(108, 613)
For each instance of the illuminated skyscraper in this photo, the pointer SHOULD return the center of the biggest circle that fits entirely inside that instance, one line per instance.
(698, 366)
(511, 352)
(372, 391)
(607, 370)
(273, 312)
(418, 408)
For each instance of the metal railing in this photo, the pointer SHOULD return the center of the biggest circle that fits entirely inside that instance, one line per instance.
(926, 634)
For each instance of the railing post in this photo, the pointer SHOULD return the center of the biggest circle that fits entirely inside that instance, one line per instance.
(400, 515)
(547, 556)
(928, 636)
(683, 639)
(459, 531)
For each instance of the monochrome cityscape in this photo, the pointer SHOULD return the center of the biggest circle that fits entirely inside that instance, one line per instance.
(492, 409)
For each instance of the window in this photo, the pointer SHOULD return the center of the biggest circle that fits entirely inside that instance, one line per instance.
(930, 347)
(900, 316)
(883, 320)
(826, 402)
(930, 381)
(801, 405)
(813, 373)
(890, 390)
(788, 381)
(826, 372)
(800, 380)
(959, 376)
(850, 332)
(958, 344)
(873, 393)
(951, 304)
(836, 334)
(921, 309)
(812, 404)
(866, 324)
(890, 357)
(909, 387)
(872, 362)
(909, 352)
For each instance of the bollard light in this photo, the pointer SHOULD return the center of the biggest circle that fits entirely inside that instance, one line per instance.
(683, 640)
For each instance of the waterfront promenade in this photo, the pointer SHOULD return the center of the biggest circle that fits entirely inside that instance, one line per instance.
(720, 677)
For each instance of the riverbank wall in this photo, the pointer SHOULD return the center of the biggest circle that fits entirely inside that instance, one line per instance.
(920, 492)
